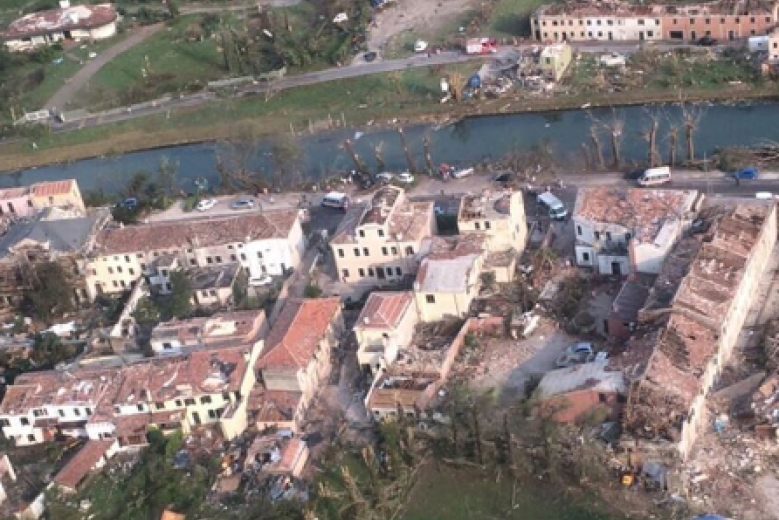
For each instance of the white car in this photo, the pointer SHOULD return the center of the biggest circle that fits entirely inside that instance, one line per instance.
(405, 178)
(260, 281)
(420, 46)
(340, 18)
(465, 172)
(206, 204)
(384, 177)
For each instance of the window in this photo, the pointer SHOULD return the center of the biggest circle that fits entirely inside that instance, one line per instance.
(123, 284)
(31, 437)
(143, 267)
(609, 22)
(365, 251)
(226, 396)
(487, 225)
(93, 272)
(209, 260)
(110, 270)
(409, 250)
(628, 236)
(384, 251)
(707, 21)
(356, 251)
(212, 293)
(131, 271)
(206, 399)
(77, 412)
(116, 284)
(189, 402)
(233, 258)
(589, 22)
(218, 260)
(380, 232)
(430, 298)
(394, 250)
(767, 19)
(230, 246)
(597, 235)
(650, 34)
(586, 257)
(345, 273)
(178, 402)
(370, 271)
(599, 22)
(657, 22)
(361, 233)
(578, 230)
(608, 236)
(341, 253)
(361, 272)
(477, 226)
(5, 422)
(399, 271)
(192, 261)
(752, 19)
(640, 21)
(88, 410)
(119, 270)
(674, 21)
(212, 414)
(61, 413)
(159, 406)
(692, 21)
(738, 20)
(140, 407)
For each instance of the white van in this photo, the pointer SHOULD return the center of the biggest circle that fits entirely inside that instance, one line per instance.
(336, 200)
(553, 206)
(655, 176)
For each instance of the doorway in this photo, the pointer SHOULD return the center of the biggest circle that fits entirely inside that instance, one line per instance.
(616, 268)
(380, 273)
(195, 417)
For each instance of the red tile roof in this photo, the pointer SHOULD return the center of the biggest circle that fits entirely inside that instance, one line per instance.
(47, 189)
(82, 463)
(385, 310)
(169, 236)
(295, 336)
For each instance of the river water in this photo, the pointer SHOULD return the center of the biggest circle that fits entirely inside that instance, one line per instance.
(466, 142)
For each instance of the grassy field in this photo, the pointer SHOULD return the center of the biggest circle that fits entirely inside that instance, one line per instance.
(510, 18)
(166, 62)
(452, 494)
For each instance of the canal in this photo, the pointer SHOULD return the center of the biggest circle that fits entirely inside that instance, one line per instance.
(465, 142)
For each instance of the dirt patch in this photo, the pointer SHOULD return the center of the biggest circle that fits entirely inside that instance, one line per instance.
(420, 17)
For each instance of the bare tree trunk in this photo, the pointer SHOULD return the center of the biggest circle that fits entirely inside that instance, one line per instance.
(358, 163)
(412, 167)
(378, 152)
(586, 157)
(428, 155)
(616, 129)
(673, 143)
(653, 157)
(598, 148)
(689, 134)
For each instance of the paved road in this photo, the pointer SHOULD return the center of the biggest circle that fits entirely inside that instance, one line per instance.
(335, 74)
(64, 95)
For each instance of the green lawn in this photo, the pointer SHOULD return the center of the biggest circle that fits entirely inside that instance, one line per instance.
(510, 18)
(454, 494)
(170, 62)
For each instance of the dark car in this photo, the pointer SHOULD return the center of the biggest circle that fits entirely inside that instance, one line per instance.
(707, 41)
(749, 173)
(633, 175)
(504, 178)
(369, 56)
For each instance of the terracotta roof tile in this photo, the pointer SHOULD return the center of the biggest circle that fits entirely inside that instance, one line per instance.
(385, 310)
(295, 336)
(82, 463)
(49, 188)
(196, 233)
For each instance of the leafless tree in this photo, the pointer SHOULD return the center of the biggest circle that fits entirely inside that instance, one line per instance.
(653, 155)
(428, 154)
(378, 152)
(412, 166)
(691, 118)
(616, 129)
(673, 144)
(359, 164)
(597, 146)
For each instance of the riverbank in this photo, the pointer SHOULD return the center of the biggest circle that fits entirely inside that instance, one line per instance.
(366, 103)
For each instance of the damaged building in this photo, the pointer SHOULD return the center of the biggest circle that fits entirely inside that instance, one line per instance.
(692, 319)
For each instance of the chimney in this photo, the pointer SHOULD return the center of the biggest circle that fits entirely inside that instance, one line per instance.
(64, 4)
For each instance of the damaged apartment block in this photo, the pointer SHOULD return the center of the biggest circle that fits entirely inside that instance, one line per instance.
(690, 324)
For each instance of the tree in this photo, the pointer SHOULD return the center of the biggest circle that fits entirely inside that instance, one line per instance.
(178, 303)
(173, 8)
(50, 292)
(48, 351)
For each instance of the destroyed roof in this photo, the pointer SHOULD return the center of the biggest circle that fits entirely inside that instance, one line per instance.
(190, 375)
(593, 376)
(487, 205)
(224, 328)
(643, 211)
(447, 267)
(173, 236)
(389, 208)
(56, 387)
(390, 392)
(69, 235)
(13, 193)
(57, 20)
(52, 188)
(670, 353)
(385, 310)
(87, 458)
(632, 296)
(213, 277)
(276, 406)
(297, 332)
(626, 9)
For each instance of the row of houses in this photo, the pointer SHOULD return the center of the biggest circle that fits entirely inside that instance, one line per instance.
(692, 269)
(623, 21)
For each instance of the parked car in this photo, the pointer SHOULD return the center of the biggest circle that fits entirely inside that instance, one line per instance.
(130, 203)
(260, 281)
(749, 173)
(405, 178)
(420, 46)
(576, 354)
(706, 41)
(206, 204)
(246, 203)
(464, 172)
(384, 177)
(370, 56)
(765, 195)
